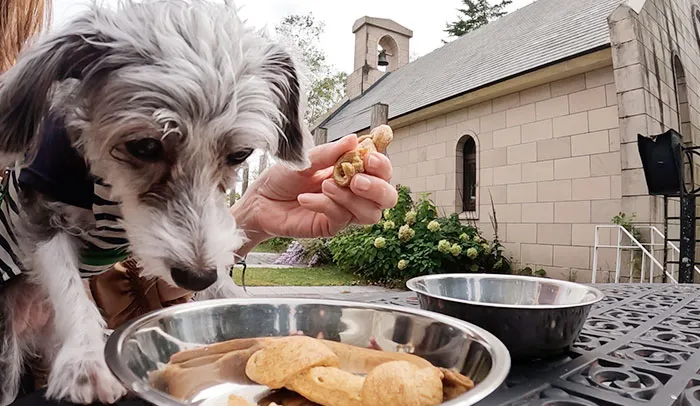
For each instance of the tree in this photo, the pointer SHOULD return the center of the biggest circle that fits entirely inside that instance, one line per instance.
(476, 14)
(325, 93)
(263, 162)
(245, 177)
(232, 197)
(327, 86)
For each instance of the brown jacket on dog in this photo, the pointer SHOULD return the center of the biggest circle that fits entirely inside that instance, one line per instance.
(122, 294)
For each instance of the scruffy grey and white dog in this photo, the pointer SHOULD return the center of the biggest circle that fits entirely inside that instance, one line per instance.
(160, 100)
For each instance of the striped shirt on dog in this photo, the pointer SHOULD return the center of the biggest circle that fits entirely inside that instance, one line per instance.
(60, 173)
(107, 243)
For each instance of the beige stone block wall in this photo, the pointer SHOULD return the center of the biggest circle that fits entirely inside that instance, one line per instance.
(548, 156)
(644, 45)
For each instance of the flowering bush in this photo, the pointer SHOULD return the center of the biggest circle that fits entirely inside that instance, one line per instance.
(293, 256)
(411, 240)
(317, 251)
(434, 226)
(380, 242)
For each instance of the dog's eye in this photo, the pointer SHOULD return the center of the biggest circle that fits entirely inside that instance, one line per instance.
(238, 157)
(146, 149)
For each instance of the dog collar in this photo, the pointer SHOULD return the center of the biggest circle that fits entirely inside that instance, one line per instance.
(103, 258)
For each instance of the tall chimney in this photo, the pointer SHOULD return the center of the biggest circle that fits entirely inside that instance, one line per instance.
(380, 115)
(320, 136)
(373, 35)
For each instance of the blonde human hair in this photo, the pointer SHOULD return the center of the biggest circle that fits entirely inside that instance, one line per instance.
(20, 20)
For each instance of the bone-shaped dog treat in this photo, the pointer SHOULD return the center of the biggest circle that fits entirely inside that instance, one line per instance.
(217, 348)
(352, 162)
(321, 371)
(454, 384)
(187, 378)
(352, 358)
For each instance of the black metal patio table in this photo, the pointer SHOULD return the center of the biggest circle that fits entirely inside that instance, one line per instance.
(639, 346)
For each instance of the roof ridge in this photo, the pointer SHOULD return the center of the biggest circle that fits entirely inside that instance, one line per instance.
(538, 34)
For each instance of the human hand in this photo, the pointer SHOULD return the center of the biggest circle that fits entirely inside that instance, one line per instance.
(305, 204)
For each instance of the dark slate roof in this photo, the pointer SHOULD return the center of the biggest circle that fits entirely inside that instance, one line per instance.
(536, 35)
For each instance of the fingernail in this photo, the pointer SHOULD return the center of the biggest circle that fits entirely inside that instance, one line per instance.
(304, 199)
(362, 183)
(373, 161)
(327, 184)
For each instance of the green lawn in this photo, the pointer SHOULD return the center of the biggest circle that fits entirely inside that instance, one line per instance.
(321, 276)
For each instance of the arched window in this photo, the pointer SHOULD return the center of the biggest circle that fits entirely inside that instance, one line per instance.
(682, 107)
(696, 22)
(467, 152)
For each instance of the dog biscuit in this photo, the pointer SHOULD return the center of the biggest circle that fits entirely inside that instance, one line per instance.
(352, 163)
(313, 371)
(402, 383)
(281, 360)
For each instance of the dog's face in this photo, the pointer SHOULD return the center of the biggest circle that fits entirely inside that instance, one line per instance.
(166, 99)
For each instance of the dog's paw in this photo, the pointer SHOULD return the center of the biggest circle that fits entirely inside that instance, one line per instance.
(83, 379)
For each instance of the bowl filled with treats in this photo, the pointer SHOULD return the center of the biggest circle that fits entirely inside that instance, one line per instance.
(305, 352)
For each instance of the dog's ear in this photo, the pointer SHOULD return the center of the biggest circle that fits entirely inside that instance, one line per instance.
(283, 75)
(25, 89)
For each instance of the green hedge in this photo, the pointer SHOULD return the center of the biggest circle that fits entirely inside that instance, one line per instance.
(412, 240)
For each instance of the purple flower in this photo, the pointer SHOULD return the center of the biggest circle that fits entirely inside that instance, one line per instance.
(293, 255)
(314, 260)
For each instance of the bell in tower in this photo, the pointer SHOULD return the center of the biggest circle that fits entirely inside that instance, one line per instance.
(381, 46)
(382, 61)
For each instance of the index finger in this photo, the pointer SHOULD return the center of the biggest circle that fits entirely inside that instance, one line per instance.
(379, 165)
(325, 155)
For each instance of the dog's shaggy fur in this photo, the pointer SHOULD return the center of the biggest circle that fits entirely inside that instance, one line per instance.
(205, 91)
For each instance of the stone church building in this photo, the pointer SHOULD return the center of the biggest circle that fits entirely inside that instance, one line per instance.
(539, 111)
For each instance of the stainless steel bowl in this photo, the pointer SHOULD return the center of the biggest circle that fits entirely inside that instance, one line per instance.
(147, 343)
(534, 317)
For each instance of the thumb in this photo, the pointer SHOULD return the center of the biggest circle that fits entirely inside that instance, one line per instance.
(325, 155)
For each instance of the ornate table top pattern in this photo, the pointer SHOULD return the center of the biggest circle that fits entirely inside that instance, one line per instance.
(639, 346)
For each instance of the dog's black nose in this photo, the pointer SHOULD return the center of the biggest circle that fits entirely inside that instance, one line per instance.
(193, 280)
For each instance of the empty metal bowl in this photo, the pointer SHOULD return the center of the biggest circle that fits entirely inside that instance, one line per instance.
(146, 344)
(534, 317)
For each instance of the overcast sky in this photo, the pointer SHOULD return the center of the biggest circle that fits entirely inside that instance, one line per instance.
(427, 20)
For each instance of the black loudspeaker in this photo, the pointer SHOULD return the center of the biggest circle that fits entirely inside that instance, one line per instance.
(662, 159)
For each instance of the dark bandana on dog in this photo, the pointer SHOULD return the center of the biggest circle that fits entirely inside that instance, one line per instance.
(58, 171)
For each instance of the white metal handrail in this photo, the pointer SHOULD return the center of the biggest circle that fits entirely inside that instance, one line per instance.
(655, 231)
(636, 245)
